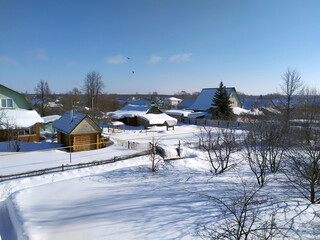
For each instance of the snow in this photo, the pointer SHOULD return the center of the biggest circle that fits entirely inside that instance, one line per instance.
(179, 112)
(173, 99)
(241, 111)
(116, 123)
(155, 119)
(51, 118)
(142, 112)
(130, 111)
(272, 110)
(125, 200)
(54, 105)
(20, 118)
(23, 162)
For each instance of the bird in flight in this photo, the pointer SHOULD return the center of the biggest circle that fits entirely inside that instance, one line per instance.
(132, 72)
(128, 58)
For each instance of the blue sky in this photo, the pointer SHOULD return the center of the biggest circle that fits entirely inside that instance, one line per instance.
(173, 45)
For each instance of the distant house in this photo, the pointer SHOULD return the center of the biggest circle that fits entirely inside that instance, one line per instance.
(17, 117)
(79, 131)
(204, 100)
(171, 102)
(251, 104)
(147, 116)
(123, 100)
(47, 125)
(185, 103)
(179, 114)
(143, 102)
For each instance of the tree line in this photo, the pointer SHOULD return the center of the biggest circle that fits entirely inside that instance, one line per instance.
(89, 98)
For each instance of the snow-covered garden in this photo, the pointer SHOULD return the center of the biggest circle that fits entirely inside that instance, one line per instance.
(125, 200)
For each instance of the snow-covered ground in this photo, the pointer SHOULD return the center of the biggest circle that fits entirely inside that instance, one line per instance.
(125, 200)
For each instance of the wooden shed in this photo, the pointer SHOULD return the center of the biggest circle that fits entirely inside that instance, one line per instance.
(79, 131)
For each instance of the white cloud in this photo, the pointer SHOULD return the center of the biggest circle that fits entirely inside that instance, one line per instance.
(154, 59)
(7, 61)
(39, 53)
(178, 58)
(118, 59)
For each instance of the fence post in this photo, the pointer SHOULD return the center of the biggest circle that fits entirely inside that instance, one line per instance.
(62, 168)
(128, 144)
(179, 150)
(70, 154)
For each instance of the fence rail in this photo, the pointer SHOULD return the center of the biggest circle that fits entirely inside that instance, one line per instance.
(142, 147)
(70, 166)
(215, 123)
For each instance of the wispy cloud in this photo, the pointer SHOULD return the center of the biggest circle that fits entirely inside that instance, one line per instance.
(8, 61)
(178, 58)
(39, 53)
(154, 59)
(118, 59)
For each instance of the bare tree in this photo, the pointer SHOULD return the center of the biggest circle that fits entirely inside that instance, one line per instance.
(303, 162)
(93, 87)
(43, 94)
(311, 107)
(182, 94)
(154, 155)
(71, 100)
(255, 153)
(241, 216)
(219, 148)
(291, 84)
(9, 132)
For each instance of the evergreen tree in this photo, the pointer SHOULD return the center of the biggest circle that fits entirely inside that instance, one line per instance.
(221, 105)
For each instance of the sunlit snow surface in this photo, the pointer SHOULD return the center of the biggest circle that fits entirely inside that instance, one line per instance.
(125, 200)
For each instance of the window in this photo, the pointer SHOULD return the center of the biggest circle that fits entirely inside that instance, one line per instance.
(7, 103)
(3, 103)
(10, 103)
(33, 130)
(23, 132)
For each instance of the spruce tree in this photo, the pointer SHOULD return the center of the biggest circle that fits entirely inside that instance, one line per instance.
(221, 103)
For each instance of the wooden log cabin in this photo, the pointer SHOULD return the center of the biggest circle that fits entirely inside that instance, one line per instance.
(78, 131)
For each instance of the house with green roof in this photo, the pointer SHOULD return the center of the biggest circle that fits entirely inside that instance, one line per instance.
(10, 99)
(17, 119)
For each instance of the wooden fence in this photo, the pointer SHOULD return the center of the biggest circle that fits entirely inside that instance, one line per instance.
(70, 166)
(215, 123)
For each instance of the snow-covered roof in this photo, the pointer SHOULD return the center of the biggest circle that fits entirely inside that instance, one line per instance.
(130, 111)
(116, 123)
(54, 105)
(204, 100)
(141, 112)
(158, 119)
(270, 110)
(241, 111)
(178, 112)
(172, 99)
(19, 118)
(51, 118)
(64, 123)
